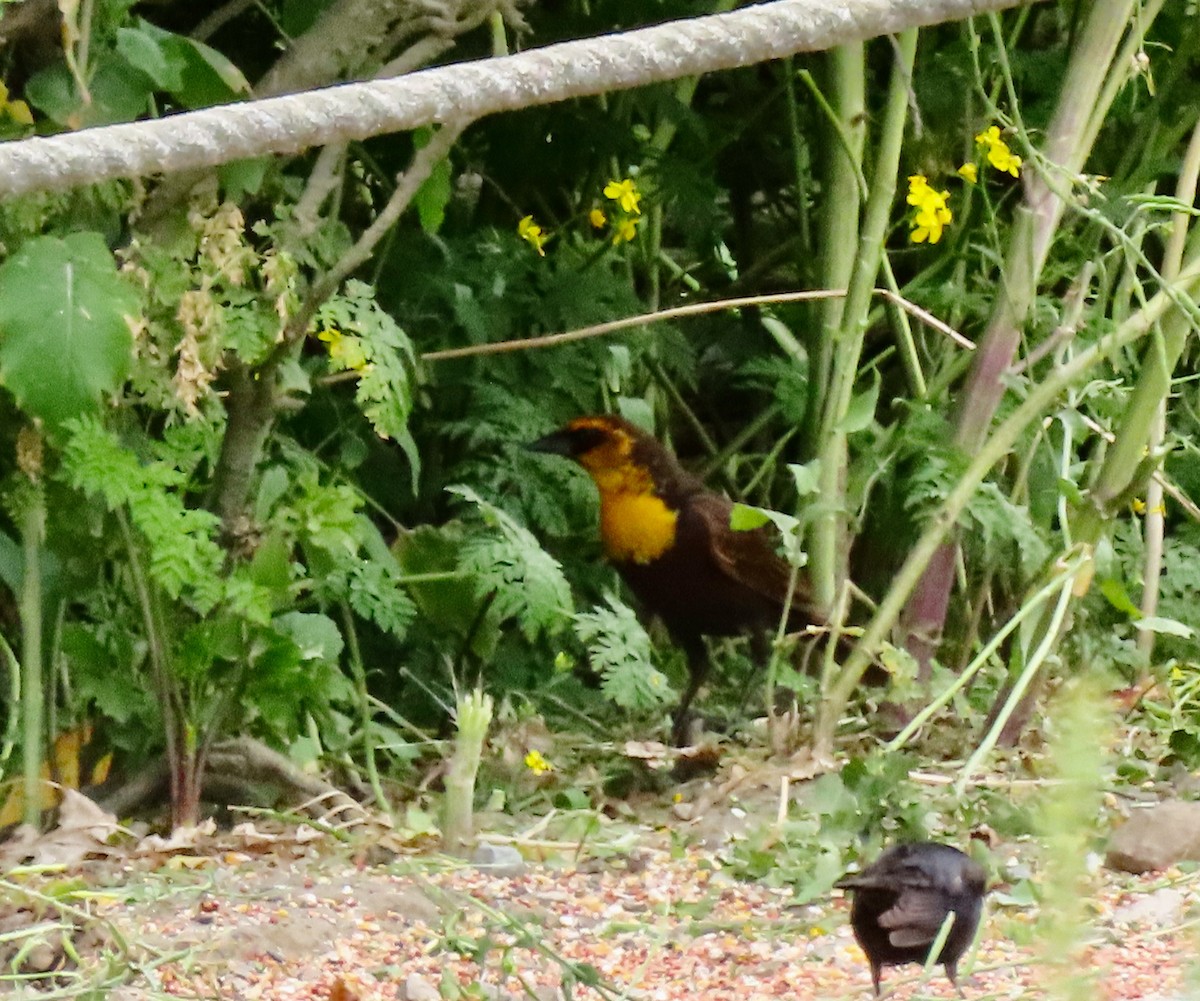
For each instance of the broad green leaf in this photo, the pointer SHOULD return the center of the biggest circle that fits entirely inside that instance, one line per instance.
(636, 409)
(1159, 624)
(207, 77)
(316, 636)
(450, 603)
(243, 177)
(64, 340)
(434, 195)
(117, 92)
(142, 50)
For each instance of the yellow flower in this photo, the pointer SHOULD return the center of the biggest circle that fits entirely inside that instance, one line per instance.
(1139, 507)
(537, 764)
(998, 153)
(625, 194)
(969, 173)
(932, 213)
(346, 351)
(624, 231)
(597, 218)
(531, 233)
(18, 111)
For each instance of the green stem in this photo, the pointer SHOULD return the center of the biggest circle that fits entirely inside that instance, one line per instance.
(1066, 572)
(33, 520)
(1048, 638)
(799, 167)
(910, 358)
(473, 715)
(364, 709)
(830, 549)
(13, 666)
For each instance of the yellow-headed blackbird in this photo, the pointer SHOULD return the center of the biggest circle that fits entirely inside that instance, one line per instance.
(669, 537)
(902, 899)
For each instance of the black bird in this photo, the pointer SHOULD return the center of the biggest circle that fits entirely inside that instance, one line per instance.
(902, 899)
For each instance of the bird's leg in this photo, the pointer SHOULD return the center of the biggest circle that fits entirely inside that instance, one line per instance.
(698, 665)
(876, 971)
(952, 973)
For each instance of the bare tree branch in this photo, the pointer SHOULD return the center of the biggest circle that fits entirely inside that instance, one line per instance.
(463, 91)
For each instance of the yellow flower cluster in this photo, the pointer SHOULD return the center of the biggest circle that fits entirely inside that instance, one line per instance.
(537, 764)
(932, 213)
(531, 233)
(626, 214)
(998, 153)
(628, 199)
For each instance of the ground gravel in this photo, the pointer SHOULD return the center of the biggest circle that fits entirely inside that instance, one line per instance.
(656, 925)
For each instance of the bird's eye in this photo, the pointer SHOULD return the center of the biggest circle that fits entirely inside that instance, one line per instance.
(586, 438)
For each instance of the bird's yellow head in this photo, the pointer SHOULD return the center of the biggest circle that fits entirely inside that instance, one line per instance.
(636, 524)
(606, 447)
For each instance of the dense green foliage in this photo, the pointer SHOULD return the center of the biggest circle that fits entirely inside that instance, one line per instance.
(268, 511)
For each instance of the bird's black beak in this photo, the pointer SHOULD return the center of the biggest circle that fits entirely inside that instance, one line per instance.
(556, 443)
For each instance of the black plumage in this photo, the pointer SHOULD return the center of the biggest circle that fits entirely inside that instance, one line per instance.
(902, 899)
(670, 539)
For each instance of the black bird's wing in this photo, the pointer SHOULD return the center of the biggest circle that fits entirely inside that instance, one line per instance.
(748, 557)
(916, 917)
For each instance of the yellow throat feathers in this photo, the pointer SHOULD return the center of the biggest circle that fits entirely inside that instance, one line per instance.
(636, 525)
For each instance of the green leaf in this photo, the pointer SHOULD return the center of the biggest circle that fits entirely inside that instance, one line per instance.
(117, 92)
(451, 605)
(64, 340)
(523, 581)
(807, 477)
(1159, 624)
(12, 563)
(243, 177)
(207, 77)
(316, 636)
(366, 340)
(434, 195)
(637, 410)
(746, 518)
(1118, 597)
(143, 50)
(620, 651)
(861, 411)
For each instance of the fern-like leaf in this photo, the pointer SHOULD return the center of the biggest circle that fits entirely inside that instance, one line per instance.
(526, 582)
(620, 650)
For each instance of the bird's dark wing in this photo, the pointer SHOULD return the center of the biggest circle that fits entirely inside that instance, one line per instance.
(915, 918)
(747, 557)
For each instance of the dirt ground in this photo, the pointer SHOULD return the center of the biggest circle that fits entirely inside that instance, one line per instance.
(644, 910)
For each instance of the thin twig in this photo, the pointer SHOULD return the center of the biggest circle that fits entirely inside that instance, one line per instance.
(407, 184)
(692, 309)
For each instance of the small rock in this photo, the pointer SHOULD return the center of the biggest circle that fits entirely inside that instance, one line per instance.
(499, 860)
(42, 958)
(548, 992)
(1159, 909)
(417, 988)
(1156, 838)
